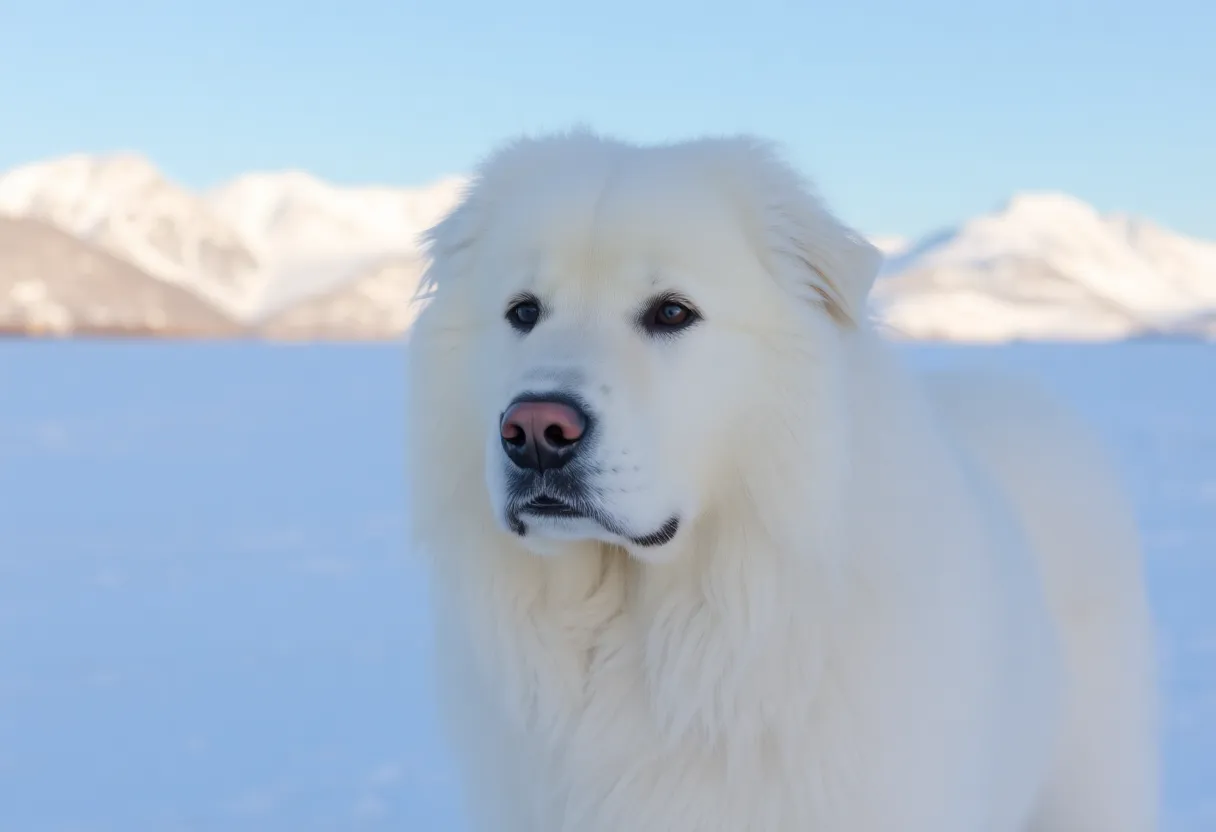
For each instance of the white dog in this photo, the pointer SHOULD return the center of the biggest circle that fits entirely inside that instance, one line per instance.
(708, 558)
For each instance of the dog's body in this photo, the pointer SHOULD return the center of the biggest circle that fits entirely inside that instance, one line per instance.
(707, 557)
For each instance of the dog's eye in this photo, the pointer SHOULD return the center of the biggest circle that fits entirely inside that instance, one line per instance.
(524, 314)
(668, 314)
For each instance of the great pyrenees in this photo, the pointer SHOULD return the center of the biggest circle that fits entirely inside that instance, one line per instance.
(708, 557)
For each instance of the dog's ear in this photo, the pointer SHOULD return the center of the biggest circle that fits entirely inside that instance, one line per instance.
(839, 266)
(801, 239)
(446, 244)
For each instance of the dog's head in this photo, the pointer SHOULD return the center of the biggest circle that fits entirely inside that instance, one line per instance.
(618, 337)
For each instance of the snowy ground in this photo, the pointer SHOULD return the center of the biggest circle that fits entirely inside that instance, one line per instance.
(207, 621)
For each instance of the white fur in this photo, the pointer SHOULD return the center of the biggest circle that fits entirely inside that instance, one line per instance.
(893, 603)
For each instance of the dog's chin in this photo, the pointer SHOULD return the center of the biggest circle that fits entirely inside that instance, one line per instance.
(554, 537)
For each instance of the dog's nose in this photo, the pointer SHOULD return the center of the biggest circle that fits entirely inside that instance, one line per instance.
(542, 435)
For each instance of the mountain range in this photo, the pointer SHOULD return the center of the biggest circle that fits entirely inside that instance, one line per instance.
(109, 244)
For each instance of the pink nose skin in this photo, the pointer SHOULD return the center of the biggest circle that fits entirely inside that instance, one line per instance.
(542, 435)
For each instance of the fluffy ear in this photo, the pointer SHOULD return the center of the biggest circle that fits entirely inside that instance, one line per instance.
(838, 264)
(802, 240)
(447, 242)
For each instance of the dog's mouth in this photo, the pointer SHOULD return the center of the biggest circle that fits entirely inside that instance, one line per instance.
(549, 507)
(546, 505)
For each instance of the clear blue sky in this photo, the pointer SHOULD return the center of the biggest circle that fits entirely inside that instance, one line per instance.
(910, 115)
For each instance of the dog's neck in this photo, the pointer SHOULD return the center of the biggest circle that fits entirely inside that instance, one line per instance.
(727, 619)
(732, 621)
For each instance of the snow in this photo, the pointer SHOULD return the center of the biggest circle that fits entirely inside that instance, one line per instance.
(1047, 266)
(380, 304)
(314, 236)
(208, 621)
(123, 204)
(252, 246)
(890, 245)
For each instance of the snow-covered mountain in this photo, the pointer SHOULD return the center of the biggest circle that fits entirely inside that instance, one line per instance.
(890, 244)
(123, 205)
(376, 305)
(313, 237)
(252, 247)
(57, 284)
(287, 255)
(1048, 266)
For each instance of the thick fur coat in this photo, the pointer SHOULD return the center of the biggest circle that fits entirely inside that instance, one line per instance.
(798, 588)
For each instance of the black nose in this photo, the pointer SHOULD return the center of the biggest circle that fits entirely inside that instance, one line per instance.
(542, 435)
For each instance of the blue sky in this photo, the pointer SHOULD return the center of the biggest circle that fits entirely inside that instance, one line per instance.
(909, 115)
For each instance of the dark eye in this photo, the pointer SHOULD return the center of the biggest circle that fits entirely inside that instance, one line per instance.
(669, 314)
(523, 314)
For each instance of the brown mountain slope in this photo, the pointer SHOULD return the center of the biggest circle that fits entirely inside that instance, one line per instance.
(54, 283)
